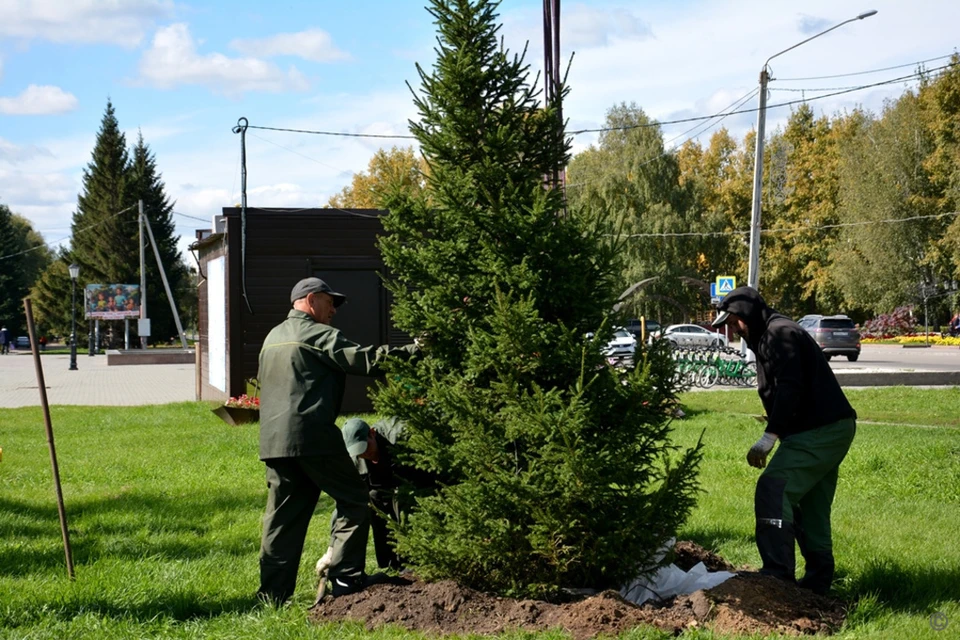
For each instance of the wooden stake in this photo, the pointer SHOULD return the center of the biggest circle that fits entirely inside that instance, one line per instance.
(53, 450)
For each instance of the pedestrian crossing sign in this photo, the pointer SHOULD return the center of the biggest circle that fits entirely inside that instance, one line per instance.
(726, 284)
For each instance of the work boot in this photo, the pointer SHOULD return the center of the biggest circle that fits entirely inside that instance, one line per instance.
(775, 541)
(819, 574)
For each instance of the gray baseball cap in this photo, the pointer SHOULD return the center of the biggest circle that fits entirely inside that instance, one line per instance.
(315, 285)
(355, 433)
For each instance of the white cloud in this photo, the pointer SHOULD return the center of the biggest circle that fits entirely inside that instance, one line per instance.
(121, 22)
(315, 45)
(584, 26)
(37, 100)
(173, 60)
(13, 154)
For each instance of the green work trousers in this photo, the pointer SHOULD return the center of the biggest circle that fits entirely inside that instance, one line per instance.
(794, 499)
(294, 486)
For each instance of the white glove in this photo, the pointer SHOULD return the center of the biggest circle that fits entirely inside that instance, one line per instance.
(757, 456)
(323, 564)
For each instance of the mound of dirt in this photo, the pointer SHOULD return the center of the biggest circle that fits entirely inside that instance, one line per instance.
(747, 603)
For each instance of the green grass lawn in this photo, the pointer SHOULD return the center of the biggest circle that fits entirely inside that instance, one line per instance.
(164, 506)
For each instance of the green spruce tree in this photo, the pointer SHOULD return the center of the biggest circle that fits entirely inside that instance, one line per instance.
(105, 241)
(13, 273)
(146, 185)
(101, 235)
(555, 469)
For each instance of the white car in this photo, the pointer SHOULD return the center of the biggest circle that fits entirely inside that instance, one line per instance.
(690, 335)
(621, 345)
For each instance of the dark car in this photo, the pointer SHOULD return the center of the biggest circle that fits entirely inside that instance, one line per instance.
(836, 335)
(633, 326)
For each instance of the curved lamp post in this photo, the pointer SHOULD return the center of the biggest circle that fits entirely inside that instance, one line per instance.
(753, 274)
(74, 272)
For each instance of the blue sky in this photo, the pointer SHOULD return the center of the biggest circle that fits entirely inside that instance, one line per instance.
(184, 72)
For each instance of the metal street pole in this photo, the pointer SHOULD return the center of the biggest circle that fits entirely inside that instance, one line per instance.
(143, 274)
(753, 273)
(74, 272)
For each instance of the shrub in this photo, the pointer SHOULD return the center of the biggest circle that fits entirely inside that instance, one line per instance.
(889, 325)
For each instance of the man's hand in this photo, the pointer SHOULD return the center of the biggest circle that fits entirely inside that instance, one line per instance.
(757, 456)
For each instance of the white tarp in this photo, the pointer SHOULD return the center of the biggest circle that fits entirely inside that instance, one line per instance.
(671, 581)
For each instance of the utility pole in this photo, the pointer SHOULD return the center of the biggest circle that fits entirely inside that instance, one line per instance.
(753, 274)
(143, 274)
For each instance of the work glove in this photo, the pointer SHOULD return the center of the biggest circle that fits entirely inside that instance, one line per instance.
(323, 564)
(757, 456)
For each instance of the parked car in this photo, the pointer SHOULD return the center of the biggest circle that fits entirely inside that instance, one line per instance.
(690, 335)
(23, 342)
(633, 326)
(623, 344)
(837, 335)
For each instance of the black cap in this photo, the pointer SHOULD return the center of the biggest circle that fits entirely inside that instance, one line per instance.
(315, 285)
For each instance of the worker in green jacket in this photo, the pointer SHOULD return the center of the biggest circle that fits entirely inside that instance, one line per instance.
(303, 367)
(377, 451)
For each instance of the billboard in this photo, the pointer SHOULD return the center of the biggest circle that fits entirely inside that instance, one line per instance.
(112, 301)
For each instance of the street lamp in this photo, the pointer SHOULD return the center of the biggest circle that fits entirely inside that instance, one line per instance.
(753, 274)
(74, 272)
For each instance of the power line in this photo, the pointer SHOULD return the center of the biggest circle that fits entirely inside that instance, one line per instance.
(185, 215)
(706, 126)
(861, 73)
(50, 245)
(713, 234)
(336, 133)
(651, 124)
(769, 106)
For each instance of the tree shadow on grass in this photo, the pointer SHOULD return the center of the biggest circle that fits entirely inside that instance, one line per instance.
(713, 538)
(130, 525)
(900, 587)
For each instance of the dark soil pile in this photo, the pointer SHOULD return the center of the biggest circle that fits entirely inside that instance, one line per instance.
(748, 603)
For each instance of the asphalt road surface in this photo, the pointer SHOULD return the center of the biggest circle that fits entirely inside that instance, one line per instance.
(883, 356)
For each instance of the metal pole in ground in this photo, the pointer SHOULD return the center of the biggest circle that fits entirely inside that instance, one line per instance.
(49, 425)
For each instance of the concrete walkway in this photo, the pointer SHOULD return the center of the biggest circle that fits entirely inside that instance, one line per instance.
(94, 383)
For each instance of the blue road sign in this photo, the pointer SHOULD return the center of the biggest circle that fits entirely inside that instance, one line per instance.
(713, 289)
(726, 284)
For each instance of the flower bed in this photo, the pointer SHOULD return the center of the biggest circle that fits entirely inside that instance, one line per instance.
(237, 411)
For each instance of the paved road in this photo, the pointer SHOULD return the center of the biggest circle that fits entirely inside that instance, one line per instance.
(895, 357)
(97, 384)
(94, 383)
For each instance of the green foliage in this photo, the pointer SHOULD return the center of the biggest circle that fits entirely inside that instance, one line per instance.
(105, 241)
(160, 555)
(558, 471)
(12, 273)
(881, 265)
(146, 184)
(630, 178)
(387, 170)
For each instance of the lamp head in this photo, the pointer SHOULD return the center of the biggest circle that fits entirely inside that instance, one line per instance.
(867, 14)
(74, 270)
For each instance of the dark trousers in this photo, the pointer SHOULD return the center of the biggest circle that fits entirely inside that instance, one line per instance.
(294, 486)
(794, 500)
(385, 506)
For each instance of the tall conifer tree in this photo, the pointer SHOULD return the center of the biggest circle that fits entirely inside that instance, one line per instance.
(105, 240)
(553, 465)
(145, 184)
(101, 235)
(13, 276)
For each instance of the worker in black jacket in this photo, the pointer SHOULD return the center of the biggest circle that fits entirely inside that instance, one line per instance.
(808, 412)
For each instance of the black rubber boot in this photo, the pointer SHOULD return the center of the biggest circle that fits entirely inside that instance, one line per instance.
(819, 574)
(775, 541)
